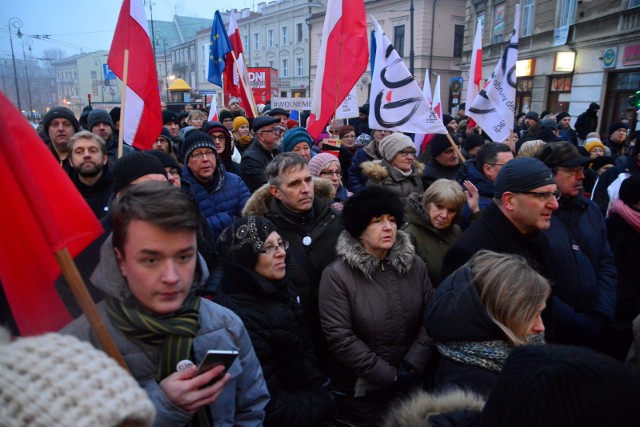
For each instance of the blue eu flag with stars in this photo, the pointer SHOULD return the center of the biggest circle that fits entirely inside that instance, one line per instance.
(219, 46)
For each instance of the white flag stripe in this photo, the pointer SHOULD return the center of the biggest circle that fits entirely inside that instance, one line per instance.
(133, 113)
(332, 16)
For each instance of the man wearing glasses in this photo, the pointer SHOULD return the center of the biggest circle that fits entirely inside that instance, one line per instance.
(581, 260)
(261, 151)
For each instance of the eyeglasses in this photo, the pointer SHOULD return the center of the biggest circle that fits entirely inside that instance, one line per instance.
(274, 131)
(199, 156)
(331, 173)
(575, 170)
(174, 173)
(220, 138)
(227, 121)
(407, 153)
(270, 250)
(544, 196)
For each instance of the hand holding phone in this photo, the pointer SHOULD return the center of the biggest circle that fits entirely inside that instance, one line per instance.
(215, 358)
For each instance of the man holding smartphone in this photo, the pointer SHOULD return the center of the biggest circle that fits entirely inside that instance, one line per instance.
(151, 271)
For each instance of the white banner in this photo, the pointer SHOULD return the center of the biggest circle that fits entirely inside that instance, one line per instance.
(291, 103)
(349, 107)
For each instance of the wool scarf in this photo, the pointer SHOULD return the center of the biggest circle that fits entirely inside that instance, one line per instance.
(630, 216)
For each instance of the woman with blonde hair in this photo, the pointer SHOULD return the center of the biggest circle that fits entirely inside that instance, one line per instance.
(480, 313)
(196, 118)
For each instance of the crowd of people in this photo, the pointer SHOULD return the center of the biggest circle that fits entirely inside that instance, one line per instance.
(361, 278)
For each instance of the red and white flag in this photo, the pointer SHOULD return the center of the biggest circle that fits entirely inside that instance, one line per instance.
(142, 112)
(233, 70)
(418, 138)
(475, 69)
(342, 60)
(213, 109)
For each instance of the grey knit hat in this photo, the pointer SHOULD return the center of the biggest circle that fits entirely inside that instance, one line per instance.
(194, 140)
(99, 116)
(393, 144)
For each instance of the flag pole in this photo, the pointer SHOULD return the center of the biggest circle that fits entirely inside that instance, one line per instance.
(123, 98)
(79, 289)
(252, 102)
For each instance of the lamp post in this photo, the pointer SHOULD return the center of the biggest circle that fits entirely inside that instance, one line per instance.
(28, 42)
(17, 24)
(153, 35)
(157, 39)
(411, 53)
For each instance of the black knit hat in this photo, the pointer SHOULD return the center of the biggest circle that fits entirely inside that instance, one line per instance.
(472, 142)
(630, 190)
(225, 114)
(565, 154)
(240, 243)
(194, 140)
(99, 116)
(166, 160)
(169, 116)
(561, 116)
(115, 114)
(522, 174)
(60, 113)
(617, 125)
(439, 144)
(133, 166)
(367, 204)
(553, 385)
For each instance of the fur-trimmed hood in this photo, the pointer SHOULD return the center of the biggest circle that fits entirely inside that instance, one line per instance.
(400, 257)
(380, 169)
(417, 409)
(258, 203)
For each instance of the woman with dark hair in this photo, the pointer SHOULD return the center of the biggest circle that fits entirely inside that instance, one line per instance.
(255, 287)
(372, 302)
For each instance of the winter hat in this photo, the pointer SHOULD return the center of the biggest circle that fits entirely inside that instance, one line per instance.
(240, 243)
(446, 119)
(232, 101)
(56, 379)
(278, 111)
(553, 385)
(194, 140)
(132, 166)
(615, 126)
(532, 115)
(345, 130)
(60, 113)
(169, 116)
(439, 144)
(225, 114)
(114, 113)
(601, 161)
(363, 139)
(522, 174)
(557, 154)
(239, 121)
(208, 127)
(547, 135)
(99, 116)
(472, 142)
(364, 109)
(262, 121)
(293, 137)
(291, 123)
(166, 160)
(549, 124)
(367, 204)
(319, 162)
(630, 190)
(165, 134)
(83, 119)
(594, 106)
(393, 144)
(593, 143)
(561, 116)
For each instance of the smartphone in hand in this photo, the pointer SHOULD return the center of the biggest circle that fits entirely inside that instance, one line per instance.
(215, 358)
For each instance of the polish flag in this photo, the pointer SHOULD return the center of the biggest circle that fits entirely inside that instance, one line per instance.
(142, 122)
(233, 69)
(419, 138)
(342, 60)
(436, 105)
(475, 70)
(213, 109)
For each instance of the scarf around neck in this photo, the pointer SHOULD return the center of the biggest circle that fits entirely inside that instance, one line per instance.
(630, 216)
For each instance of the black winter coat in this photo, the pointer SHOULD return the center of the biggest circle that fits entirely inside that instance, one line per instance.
(97, 195)
(254, 161)
(625, 245)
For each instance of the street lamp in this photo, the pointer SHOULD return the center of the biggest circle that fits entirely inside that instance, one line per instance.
(28, 42)
(17, 24)
(153, 35)
(159, 36)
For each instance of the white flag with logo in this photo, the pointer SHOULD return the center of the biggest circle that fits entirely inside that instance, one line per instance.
(396, 101)
(494, 107)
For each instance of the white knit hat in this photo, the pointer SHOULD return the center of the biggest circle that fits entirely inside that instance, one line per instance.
(58, 380)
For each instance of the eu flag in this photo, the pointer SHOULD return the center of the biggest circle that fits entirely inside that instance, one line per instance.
(219, 46)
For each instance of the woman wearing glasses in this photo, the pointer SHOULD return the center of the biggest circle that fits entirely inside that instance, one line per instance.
(398, 169)
(254, 286)
(326, 166)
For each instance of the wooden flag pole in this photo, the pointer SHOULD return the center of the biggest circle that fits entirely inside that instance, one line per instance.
(123, 98)
(455, 147)
(252, 102)
(71, 274)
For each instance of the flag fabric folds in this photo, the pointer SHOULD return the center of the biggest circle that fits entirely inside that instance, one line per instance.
(418, 138)
(219, 46)
(143, 115)
(42, 213)
(342, 60)
(475, 69)
(236, 68)
(396, 101)
(494, 107)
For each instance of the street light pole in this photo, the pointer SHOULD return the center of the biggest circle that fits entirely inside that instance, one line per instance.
(164, 52)
(17, 24)
(411, 53)
(28, 41)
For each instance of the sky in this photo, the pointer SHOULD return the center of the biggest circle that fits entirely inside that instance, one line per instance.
(77, 26)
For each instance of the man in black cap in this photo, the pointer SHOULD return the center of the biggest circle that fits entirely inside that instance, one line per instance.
(587, 122)
(564, 125)
(60, 124)
(226, 118)
(261, 151)
(281, 114)
(617, 139)
(444, 162)
(580, 259)
(100, 123)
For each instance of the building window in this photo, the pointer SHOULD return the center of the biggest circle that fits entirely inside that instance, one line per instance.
(256, 40)
(528, 16)
(299, 33)
(567, 12)
(270, 38)
(634, 3)
(285, 68)
(498, 22)
(94, 75)
(523, 94)
(559, 85)
(299, 67)
(458, 36)
(284, 35)
(271, 64)
(398, 39)
(246, 40)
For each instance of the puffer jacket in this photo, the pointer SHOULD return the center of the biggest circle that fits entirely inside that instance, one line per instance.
(243, 398)
(431, 244)
(224, 204)
(372, 311)
(382, 173)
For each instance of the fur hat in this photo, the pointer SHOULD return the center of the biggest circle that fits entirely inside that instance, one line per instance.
(561, 116)
(239, 121)
(60, 113)
(561, 154)
(439, 144)
(367, 204)
(393, 144)
(293, 137)
(132, 166)
(194, 140)
(320, 161)
(56, 379)
(99, 116)
(522, 174)
(240, 243)
(169, 116)
(593, 143)
(630, 190)
(617, 125)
